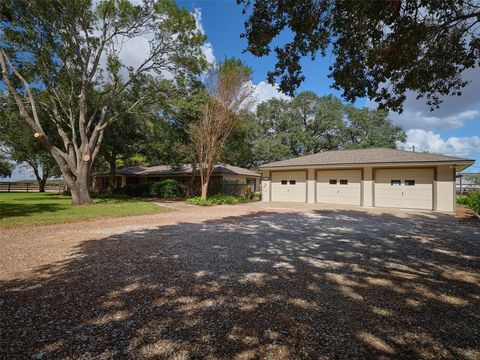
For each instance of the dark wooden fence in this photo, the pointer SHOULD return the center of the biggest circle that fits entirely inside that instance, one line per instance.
(22, 186)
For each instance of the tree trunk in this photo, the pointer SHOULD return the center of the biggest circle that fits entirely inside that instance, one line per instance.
(80, 193)
(205, 190)
(40, 180)
(41, 185)
(78, 185)
(113, 172)
(191, 190)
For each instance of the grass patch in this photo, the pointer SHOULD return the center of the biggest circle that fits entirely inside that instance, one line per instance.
(217, 200)
(19, 209)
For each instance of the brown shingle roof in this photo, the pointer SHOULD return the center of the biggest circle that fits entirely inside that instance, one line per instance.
(184, 170)
(364, 156)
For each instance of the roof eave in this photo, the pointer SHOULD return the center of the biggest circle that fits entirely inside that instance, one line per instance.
(178, 174)
(461, 164)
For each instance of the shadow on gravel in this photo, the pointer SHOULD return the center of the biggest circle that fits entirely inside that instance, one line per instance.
(326, 284)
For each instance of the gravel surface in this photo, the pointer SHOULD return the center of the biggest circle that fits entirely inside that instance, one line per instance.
(244, 282)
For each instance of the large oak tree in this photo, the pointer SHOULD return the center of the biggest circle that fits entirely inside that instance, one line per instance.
(308, 124)
(381, 49)
(70, 50)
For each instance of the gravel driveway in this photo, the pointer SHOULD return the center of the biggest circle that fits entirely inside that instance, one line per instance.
(244, 282)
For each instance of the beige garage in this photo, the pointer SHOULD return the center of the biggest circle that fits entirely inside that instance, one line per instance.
(289, 186)
(339, 186)
(366, 177)
(404, 188)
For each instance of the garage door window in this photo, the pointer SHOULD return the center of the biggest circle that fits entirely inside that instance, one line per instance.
(395, 182)
(293, 182)
(409, 182)
(343, 182)
(333, 182)
(284, 182)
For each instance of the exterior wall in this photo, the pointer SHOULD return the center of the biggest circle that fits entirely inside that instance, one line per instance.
(266, 185)
(444, 189)
(311, 186)
(100, 182)
(367, 187)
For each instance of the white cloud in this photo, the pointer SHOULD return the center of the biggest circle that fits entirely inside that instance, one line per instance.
(454, 112)
(134, 51)
(264, 91)
(431, 142)
(431, 121)
(207, 47)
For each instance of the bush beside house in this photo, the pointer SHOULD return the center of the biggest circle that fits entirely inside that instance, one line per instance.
(167, 189)
(219, 199)
(471, 200)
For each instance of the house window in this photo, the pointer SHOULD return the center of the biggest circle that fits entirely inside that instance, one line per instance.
(333, 182)
(284, 182)
(395, 182)
(409, 182)
(293, 182)
(343, 182)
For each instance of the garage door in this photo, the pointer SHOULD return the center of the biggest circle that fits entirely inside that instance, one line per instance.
(339, 186)
(404, 188)
(289, 186)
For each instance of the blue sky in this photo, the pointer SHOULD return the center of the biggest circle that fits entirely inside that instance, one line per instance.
(454, 129)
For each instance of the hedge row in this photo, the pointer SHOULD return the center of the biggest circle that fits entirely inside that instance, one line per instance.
(217, 200)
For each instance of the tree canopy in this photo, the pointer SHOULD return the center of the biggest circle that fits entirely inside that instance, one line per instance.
(381, 49)
(222, 112)
(17, 141)
(6, 167)
(309, 123)
(71, 51)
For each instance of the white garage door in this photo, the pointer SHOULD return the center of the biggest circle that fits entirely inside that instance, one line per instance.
(289, 186)
(404, 188)
(339, 186)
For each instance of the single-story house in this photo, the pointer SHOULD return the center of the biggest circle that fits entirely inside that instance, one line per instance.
(222, 174)
(366, 177)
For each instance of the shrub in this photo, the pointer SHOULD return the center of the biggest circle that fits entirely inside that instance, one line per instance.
(219, 199)
(256, 196)
(166, 189)
(197, 200)
(471, 200)
(135, 190)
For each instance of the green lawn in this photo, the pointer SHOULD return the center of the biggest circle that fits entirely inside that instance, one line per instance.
(18, 209)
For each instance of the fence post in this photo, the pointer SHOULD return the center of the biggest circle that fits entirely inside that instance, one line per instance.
(8, 187)
(27, 186)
